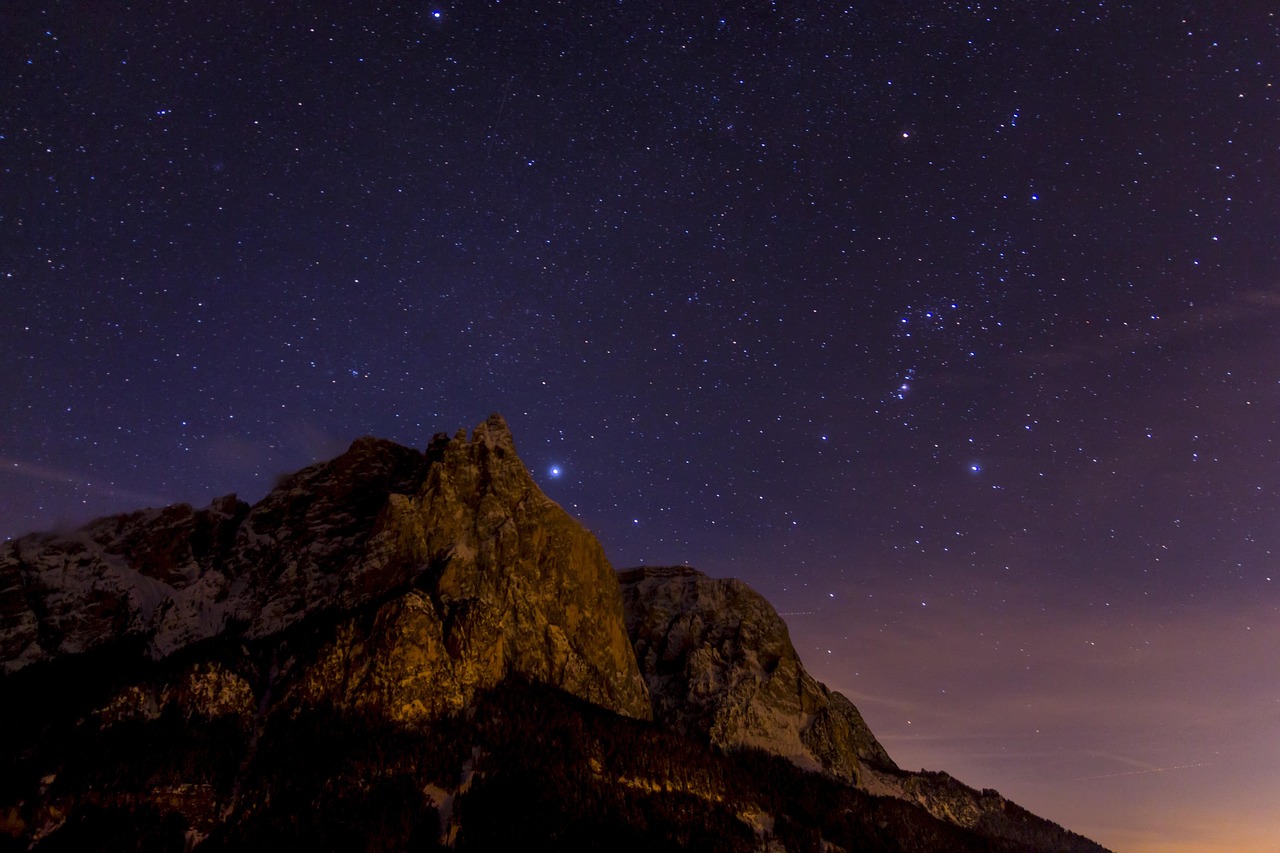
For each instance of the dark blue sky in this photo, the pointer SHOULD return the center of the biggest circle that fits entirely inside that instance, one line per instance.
(878, 306)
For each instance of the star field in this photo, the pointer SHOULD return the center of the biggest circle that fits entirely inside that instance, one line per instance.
(950, 327)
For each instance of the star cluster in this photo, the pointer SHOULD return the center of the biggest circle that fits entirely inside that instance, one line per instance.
(948, 326)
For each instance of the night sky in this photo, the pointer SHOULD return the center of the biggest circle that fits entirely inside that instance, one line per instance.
(950, 327)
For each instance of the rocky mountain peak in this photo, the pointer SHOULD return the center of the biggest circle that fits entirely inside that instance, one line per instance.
(474, 575)
(495, 434)
(509, 584)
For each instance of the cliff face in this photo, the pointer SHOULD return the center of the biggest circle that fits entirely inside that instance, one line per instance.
(720, 665)
(507, 583)
(473, 572)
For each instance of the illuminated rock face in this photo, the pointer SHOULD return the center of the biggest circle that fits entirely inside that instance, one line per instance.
(506, 583)
(472, 573)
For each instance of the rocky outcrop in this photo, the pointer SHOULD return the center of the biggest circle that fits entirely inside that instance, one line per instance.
(207, 689)
(513, 585)
(471, 572)
(720, 665)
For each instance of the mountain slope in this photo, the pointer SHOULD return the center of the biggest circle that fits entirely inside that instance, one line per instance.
(721, 668)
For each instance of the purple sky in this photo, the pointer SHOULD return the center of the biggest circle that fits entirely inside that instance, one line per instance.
(949, 327)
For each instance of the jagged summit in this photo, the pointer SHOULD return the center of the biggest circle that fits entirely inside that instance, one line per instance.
(340, 664)
(493, 577)
(494, 434)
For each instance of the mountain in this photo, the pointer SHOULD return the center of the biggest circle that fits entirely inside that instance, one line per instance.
(402, 649)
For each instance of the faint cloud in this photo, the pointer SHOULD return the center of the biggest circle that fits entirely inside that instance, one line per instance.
(296, 445)
(304, 438)
(239, 454)
(1162, 330)
(47, 474)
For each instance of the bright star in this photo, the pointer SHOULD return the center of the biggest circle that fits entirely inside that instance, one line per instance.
(554, 471)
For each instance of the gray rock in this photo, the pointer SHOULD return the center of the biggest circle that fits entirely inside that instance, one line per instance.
(720, 666)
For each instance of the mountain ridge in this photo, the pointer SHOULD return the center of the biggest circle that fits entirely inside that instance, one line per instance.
(394, 591)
